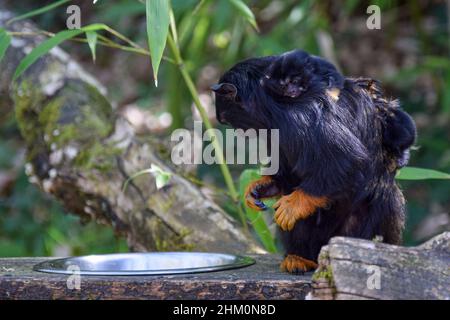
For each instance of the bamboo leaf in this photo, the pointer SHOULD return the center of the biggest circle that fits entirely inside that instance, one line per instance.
(245, 11)
(5, 41)
(158, 19)
(91, 37)
(50, 43)
(412, 173)
(39, 11)
(256, 218)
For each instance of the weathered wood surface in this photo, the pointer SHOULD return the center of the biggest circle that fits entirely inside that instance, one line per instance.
(81, 152)
(349, 268)
(262, 280)
(346, 271)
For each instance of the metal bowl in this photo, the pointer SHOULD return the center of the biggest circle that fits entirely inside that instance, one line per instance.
(157, 263)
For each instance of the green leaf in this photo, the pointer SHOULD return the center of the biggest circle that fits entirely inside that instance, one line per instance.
(256, 218)
(39, 11)
(412, 173)
(162, 177)
(245, 11)
(5, 41)
(158, 19)
(91, 37)
(49, 44)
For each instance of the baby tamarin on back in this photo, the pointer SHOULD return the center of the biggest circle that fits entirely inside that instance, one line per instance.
(341, 144)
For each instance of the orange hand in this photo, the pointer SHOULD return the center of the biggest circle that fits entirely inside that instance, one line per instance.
(295, 206)
(296, 264)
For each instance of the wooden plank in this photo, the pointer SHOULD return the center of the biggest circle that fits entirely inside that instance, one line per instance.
(262, 280)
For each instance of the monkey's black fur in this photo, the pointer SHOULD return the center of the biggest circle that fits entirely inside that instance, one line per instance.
(346, 149)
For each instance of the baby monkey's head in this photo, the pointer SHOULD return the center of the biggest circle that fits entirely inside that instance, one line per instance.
(296, 73)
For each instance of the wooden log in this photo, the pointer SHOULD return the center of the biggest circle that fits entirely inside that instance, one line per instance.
(262, 280)
(360, 269)
(421, 272)
(81, 152)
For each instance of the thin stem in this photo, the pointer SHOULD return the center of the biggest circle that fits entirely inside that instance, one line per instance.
(104, 41)
(215, 142)
(173, 27)
(217, 190)
(123, 38)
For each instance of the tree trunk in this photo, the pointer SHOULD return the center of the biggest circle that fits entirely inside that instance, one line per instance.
(81, 152)
(360, 269)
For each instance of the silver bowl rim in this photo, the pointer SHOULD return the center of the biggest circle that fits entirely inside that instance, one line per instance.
(48, 266)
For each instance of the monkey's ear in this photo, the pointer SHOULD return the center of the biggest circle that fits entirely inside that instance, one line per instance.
(399, 131)
(225, 89)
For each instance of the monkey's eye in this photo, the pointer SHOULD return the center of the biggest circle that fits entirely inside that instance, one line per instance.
(296, 81)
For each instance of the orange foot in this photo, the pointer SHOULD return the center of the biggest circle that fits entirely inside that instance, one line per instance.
(296, 264)
(262, 188)
(295, 206)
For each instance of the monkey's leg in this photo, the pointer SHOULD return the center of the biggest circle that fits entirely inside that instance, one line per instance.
(296, 264)
(260, 189)
(295, 206)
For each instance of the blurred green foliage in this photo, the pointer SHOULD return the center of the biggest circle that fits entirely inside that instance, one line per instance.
(410, 55)
(33, 225)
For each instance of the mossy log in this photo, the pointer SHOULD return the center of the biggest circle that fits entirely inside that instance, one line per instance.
(81, 152)
(360, 269)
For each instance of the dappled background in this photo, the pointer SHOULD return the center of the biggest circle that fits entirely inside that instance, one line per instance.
(410, 55)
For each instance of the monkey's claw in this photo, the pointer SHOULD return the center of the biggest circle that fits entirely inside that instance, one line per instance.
(285, 214)
(296, 264)
(257, 190)
(295, 206)
(253, 202)
(260, 204)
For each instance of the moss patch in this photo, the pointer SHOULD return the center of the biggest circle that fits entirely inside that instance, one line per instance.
(99, 156)
(324, 273)
(175, 243)
(77, 114)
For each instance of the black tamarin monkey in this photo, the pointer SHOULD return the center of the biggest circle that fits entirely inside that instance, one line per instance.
(341, 144)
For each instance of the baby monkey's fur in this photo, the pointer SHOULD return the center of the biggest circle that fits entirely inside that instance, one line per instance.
(341, 144)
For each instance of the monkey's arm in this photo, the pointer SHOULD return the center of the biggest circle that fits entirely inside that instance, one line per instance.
(332, 161)
(289, 208)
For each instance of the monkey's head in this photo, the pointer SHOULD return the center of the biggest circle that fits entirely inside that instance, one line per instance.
(238, 90)
(296, 73)
(257, 92)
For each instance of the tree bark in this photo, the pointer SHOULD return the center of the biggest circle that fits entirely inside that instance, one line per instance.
(81, 152)
(360, 269)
